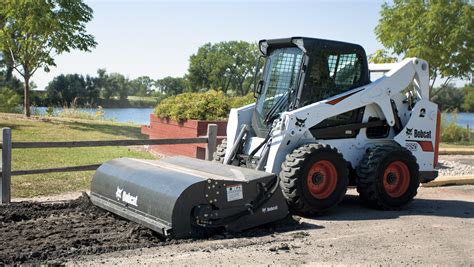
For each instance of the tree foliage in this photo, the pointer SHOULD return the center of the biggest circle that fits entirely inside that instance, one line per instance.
(468, 104)
(33, 32)
(226, 66)
(381, 56)
(441, 32)
(449, 98)
(142, 86)
(68, 89)
(8, 99)
(63, 90)
(171, 85)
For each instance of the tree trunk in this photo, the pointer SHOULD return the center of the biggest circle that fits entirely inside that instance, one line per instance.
(26, 98)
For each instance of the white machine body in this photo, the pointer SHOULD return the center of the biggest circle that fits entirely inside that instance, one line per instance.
(404, 85)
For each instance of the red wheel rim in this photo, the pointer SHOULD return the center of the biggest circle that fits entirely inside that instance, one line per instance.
(322, 179)
(396, 179)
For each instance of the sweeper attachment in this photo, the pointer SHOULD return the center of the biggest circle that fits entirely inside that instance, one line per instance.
(319, 125)
(181, 197)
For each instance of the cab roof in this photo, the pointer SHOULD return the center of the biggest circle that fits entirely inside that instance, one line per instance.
(307, 42)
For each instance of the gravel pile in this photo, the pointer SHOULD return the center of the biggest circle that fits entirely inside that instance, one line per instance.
(456, 165)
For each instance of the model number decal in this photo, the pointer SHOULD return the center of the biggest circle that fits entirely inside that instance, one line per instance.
(234, 192)
(412, 146)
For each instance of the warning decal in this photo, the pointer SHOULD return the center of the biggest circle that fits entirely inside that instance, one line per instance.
(234, 192)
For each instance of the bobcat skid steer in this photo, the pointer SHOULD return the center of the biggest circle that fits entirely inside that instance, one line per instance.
(318, 126)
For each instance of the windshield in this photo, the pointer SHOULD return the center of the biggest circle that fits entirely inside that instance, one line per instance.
(280, 81)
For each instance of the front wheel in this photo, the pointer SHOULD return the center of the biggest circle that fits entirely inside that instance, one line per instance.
(388, 177)
(313, 179)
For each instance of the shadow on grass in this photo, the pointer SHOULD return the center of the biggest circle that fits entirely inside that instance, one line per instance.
(117, 130)
(352, 209)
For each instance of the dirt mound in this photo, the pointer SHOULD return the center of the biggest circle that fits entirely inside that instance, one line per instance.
(33, 232)
(41, 232)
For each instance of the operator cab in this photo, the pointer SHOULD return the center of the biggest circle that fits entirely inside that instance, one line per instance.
(300, 71)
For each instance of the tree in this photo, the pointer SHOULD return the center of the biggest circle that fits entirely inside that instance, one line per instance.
(171, 85)
(441, 32)
(101, 84)
(141, 86)
(468, 104)
(449, 98)
(118, 85)
(33, 32)
(92, 91)
(381, 56)
(8, 99)
(66, 89)
(225, 66)
(6, 75)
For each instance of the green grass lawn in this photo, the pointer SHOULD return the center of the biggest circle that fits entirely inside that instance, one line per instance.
(58, 129)
(469, 145)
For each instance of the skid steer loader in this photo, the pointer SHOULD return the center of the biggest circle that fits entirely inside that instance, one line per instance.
(318, 126)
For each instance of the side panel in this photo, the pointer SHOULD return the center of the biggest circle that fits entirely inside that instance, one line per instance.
(237, 117)
(419, 134)
(391, 88)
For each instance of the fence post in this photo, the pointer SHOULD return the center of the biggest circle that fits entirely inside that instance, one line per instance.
(211, 141)
(5, 188)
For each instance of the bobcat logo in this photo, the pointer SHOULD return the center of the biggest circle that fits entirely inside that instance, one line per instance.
(300, 122)
(409, 131)
(118, 193)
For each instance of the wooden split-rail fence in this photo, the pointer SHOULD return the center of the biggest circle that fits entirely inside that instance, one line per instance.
(7, 145)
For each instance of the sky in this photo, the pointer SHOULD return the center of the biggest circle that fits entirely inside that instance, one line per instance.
(156, 38)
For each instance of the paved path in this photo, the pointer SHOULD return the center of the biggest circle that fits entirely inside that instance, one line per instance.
(438, 228)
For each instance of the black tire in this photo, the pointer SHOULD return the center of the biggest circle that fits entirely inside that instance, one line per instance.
(220, 152)
(295, 180)
(380, 179)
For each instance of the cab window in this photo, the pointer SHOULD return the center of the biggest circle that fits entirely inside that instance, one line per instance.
(330, 74)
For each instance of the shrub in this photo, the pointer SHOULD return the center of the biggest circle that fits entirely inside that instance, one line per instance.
(210, 105)
(451, 132)
(50, 111)
(240, 101)
(8, 100)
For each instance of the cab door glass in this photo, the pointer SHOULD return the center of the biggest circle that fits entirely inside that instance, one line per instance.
(331, 74)
(283, 68)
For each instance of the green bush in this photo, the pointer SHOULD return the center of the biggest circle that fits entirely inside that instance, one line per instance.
(240, 101)
(210, 105)
(453, 133)
(8, 100)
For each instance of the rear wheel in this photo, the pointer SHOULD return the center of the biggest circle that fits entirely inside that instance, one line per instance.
(388, 177)
(313, 178)
(220, 152)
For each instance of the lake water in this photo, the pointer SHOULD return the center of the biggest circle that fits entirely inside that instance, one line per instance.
(463, 119)
(133, 115)
(142, 115)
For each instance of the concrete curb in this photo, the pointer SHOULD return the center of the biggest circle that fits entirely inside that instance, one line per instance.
(456, 151)
(451, 180)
